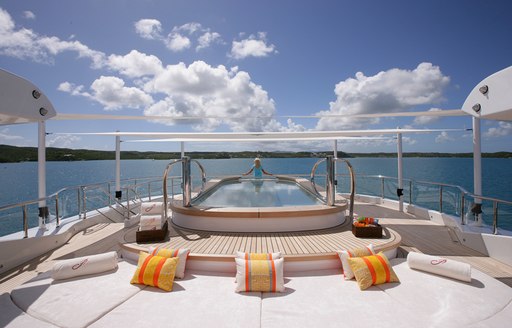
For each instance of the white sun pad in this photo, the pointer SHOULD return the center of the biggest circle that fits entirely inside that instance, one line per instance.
(75, 302)
(322, 298)
(197, 300)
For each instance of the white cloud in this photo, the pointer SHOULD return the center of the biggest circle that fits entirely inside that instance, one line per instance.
(75, 90)
(444, 137)
(29, 15)
(424, 120)
(135, 64)
(254, 46)
(503, 129)
(181, 37)
(190, 28)
(148, 28)
(62, 141)
(111, 92)
(390, 91)
(25, 44)
(177, 42)
(206, 39)
(5, 136)
(219, 95)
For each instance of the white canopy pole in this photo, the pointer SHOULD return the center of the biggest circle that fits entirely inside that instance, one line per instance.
(182, 149)
(477, 170)
(119, 193)
(41, 161)
(335, 148)
(400, 174)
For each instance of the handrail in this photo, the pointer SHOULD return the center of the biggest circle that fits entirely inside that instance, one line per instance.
(186, 183)
(352, 182)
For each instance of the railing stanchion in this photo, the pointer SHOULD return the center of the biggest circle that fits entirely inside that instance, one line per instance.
(382, 187)
(25, 222)
(109, 194)
(84, 198)
(495, 217)
(78, 203)
(462, 214)
(149, 190)
(441, 199)
(410, 192)
(57, 217)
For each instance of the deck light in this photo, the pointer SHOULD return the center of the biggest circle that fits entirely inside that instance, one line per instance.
(36, 94)
(43, 111)
(477, 108)
(484, 89)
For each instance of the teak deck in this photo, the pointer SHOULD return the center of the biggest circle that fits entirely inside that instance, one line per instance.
(323, 242)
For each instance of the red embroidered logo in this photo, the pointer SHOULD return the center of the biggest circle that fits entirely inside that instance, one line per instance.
(437, 262)
(78, 265)
(147, 210)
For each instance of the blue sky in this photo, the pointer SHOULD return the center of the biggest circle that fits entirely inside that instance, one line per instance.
(243, 59)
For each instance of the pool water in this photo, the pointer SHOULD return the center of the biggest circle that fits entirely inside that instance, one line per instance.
(257, 193)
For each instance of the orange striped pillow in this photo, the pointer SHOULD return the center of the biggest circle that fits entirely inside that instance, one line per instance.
(372, 270)
(356, 252)
(157, 271)
(259, 275)
(181, 253)
(259, 256)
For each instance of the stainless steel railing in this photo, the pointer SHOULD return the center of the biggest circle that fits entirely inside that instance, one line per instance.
(134, 189)
(447, 198)
(459, 197)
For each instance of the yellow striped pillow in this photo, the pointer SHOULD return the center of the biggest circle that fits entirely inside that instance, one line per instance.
(356, 252)
(259, 275)
(157, 271)
(181, 253)
(372, 270)
(259, 256)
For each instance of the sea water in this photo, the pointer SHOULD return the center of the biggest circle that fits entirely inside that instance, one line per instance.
(19, 180)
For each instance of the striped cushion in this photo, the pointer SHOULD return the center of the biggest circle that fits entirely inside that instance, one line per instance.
(259, 256)
(181, 253)
(259, 275)
(357, 252)
(372, 270)
(157, 271)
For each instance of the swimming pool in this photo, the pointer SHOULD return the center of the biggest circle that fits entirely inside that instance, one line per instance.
(264, 205)
(257, 193)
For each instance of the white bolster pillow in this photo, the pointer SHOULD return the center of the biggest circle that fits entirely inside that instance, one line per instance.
(150, 220)
(85, 265)
(440, 266)
(151, 208)
(150, 227)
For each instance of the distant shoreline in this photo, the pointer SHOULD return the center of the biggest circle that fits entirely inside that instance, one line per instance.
(13, 154)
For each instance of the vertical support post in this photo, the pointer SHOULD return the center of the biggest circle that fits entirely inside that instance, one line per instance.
(410, 192)
(335, 154)
(495, 217)
(41, 161)
(182, 149)
(441, 199)
(477, 170)
(462, 209)
(119, 193)
(57, 216)
(186, 178)
(25, 222)
(330, 163)
(400, 189)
